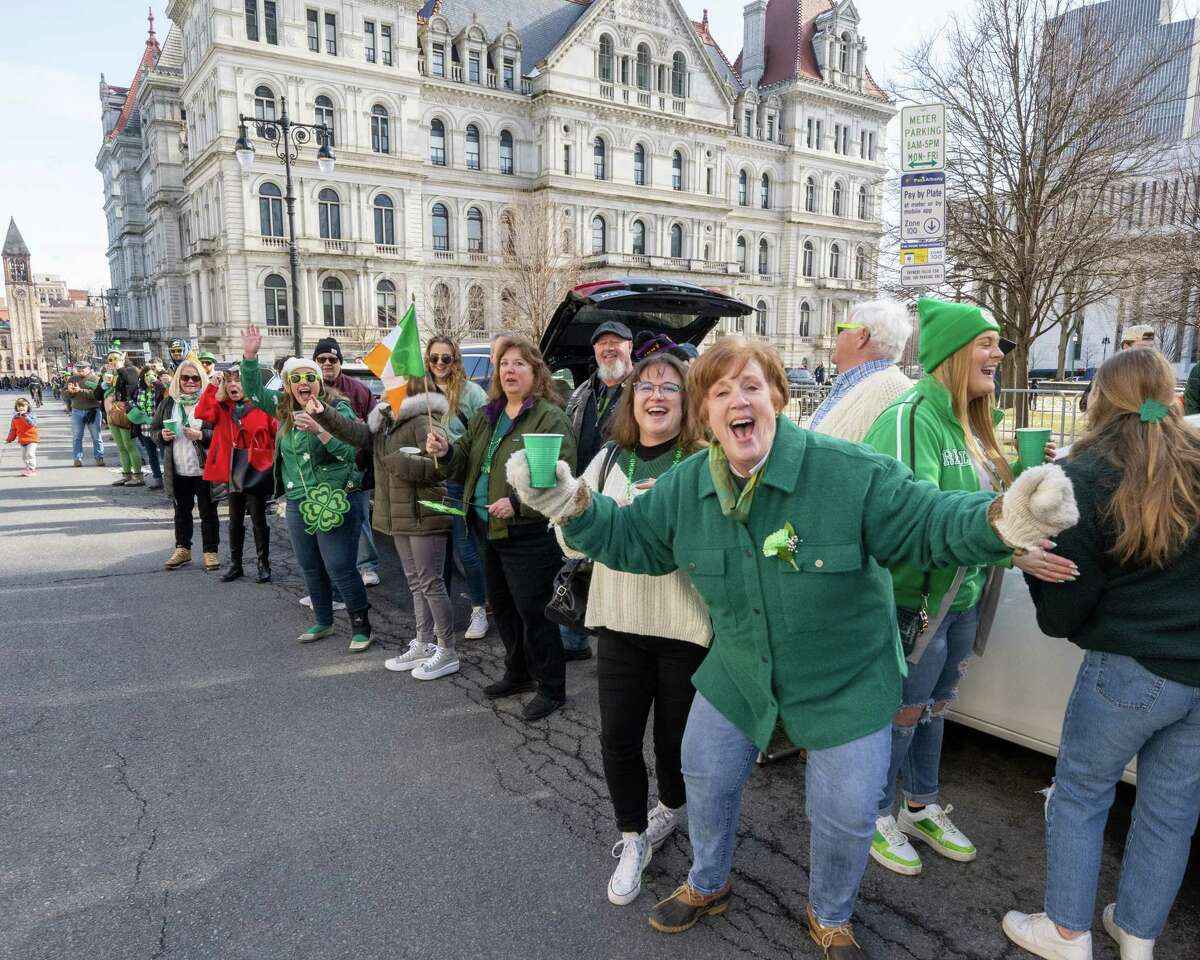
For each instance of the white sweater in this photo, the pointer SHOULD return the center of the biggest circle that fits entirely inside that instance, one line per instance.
(666, 606)
(858, 409)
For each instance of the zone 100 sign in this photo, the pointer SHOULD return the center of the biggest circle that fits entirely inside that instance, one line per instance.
(923, 138)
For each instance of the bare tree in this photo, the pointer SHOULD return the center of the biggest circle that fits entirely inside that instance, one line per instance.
(445, 316)
(80, 325)
(540, 263)
(1045, 111)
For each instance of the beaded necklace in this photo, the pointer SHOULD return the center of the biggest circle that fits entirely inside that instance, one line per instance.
(633, 463)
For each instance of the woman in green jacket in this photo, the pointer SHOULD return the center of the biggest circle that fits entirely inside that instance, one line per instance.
(316, 473)
(787, 535)
(943, 429)
(520, 556)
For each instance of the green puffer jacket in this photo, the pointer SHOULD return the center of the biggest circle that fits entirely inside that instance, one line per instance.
(401, 479)
(467, 455)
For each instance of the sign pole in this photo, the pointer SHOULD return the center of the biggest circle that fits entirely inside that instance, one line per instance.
(923, 195)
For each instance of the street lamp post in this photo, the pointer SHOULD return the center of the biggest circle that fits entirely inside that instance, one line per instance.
(288, 137)
(1104, 342)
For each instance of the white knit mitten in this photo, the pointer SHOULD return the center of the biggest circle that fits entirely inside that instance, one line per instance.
(1038, 505)
(567, 499)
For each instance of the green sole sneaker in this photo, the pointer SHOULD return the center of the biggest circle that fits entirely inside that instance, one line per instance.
(315, 632)
(899, 857)
(358, 644)
(933, 826)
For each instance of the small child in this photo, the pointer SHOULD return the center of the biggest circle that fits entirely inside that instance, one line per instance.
(24, 430)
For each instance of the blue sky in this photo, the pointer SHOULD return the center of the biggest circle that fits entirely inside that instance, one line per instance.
(51, 58)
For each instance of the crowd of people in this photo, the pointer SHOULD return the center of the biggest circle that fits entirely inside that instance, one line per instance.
(737, 573)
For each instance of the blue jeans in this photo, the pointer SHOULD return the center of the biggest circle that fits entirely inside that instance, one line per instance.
(1120, 710)
(78, 418)
(327, 560)
(150, 449)
(931, 682)
(841, 787)
(467, 551)
(573, 639)
(367, 557)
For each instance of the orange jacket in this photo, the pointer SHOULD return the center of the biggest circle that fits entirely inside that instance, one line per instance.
(23, 431)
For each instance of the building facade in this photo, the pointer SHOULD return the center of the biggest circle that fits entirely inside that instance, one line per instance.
(24, 355)
(653, 151)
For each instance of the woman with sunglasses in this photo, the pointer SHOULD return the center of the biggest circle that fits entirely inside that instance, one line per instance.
(316, 473)
(184, 440)
(465, 398)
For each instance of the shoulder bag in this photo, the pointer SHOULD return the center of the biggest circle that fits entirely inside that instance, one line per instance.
(913, 623)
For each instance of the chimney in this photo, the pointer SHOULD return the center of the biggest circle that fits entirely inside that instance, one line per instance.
(754, 38)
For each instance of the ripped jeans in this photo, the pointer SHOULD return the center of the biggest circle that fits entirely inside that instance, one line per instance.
(932, 680)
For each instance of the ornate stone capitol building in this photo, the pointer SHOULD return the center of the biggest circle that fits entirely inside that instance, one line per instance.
(759, 176)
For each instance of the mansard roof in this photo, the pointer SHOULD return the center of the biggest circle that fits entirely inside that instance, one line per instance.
(150, 55)
(14, 243)
(540, 24)
(720, 62)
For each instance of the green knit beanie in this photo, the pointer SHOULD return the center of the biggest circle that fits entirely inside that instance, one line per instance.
(947, 327)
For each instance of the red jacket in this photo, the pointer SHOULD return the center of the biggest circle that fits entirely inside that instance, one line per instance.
(22, 431)
(255, 433)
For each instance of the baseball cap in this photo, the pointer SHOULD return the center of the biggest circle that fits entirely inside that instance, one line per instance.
(615, 327)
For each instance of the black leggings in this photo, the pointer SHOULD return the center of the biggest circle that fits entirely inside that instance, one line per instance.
(239, 504)
(197, 491)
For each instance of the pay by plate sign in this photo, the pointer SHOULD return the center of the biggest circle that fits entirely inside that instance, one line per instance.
(922, 207)
(922, 138)
(923, 266)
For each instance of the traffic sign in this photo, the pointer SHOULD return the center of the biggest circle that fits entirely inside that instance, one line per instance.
(922, 207)
(925, 275)
(923, 137)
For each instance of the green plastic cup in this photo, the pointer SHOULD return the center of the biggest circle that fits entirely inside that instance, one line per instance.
(541, 450)
(172, 425)
(1031, 447)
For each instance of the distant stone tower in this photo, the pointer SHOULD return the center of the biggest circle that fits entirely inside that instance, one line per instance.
(24, 317)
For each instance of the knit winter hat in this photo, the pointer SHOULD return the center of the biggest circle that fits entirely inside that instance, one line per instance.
(294, 364)
(327, 345)
(947, 327)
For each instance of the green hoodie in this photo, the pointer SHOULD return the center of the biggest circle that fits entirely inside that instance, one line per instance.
(934, 445)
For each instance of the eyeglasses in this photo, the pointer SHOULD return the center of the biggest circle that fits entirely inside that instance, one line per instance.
(327, 361)
(302, 377)
(188, 378)
(441, 358)
(849, 326)
(645, 388)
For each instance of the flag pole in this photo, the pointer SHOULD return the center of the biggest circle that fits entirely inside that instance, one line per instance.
(429, 410)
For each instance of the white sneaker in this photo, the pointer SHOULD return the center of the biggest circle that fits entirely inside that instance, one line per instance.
(443, 663)
(416, 654)
(890, 848)
(932, 825)
(307, 602)
(1036, 933)
(660, 824)
(633, 855)
(370, 578)
(478, 627)
(1132, 948)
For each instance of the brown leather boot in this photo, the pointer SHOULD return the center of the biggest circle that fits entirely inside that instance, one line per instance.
(212, 561)
(177, 559)
(685, 906)
(836, 943)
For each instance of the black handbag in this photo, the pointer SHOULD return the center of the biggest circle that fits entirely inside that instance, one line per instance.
(913, 623)
(243, 478)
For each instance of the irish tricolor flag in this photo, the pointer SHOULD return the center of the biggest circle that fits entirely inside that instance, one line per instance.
(397, 356)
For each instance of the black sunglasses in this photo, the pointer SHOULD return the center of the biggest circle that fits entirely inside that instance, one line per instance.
(327, 361)
(188, 378)
(441, 358)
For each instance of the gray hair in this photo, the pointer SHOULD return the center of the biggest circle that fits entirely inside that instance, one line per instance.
(888, 322)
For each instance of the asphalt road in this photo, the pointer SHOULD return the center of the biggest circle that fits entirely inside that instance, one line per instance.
(179, 778)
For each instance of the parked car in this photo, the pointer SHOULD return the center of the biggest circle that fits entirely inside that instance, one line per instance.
(802, 384)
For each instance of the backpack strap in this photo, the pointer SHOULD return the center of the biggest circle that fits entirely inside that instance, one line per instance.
(912, 466)
(611, 450)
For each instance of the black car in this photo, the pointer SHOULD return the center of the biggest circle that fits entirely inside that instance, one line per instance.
(684, 312)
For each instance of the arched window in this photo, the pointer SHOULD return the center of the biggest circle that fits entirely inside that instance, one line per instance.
(837, 199)
(599, 235)
(676, 240)
(606, 58)
(472, 147)
(441, 299)
(275, 290)
(643, 66)
(844, 54)
(835, 260)
(437, 143)
(264, 107)
(639, 165)
(385, 219)
(741, 254)
(270, 211)
(810, 195)
(764, 191)
(333, 302)
(599, 159)
(679, 76)
(474, 230)
(804, 327)
(864, 202)
(441, 227)
(743, 189)
(385, 304)
(707, 252)
(381, 139)
(509, 241)
(677, 170)
(637, 233)
(764, 256)
(506, 152)
(860, 264)
(324, 115)
(329, 209)
(476, 319)
(760, 318)
(806, 259)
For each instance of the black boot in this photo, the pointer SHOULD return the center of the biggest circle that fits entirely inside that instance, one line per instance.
(360, 628)
(264, 564)
(234, 572)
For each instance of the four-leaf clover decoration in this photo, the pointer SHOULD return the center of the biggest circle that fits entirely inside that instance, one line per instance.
(323, 509)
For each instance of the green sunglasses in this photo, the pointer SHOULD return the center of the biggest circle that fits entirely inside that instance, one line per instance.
(849, 326)
(309, 377)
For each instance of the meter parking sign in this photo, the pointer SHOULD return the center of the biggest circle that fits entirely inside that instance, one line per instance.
(922, 207)
(923, 138)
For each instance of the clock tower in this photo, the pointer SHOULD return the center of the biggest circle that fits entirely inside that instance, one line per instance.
(24, 315)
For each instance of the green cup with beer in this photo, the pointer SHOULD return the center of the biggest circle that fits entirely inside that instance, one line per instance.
(1031, 447)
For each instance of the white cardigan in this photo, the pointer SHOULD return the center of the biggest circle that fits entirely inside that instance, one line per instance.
(867, 399)
(666, 606)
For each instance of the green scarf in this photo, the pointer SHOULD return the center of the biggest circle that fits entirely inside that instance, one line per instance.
(734, 502)
(187, 400)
